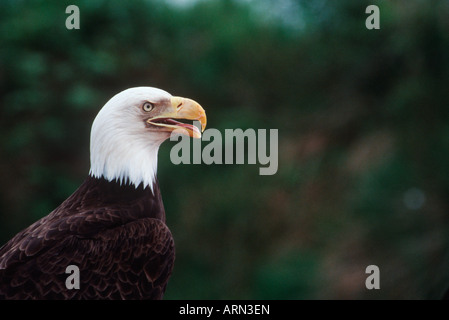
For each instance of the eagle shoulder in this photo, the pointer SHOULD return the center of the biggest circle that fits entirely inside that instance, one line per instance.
(127, 261)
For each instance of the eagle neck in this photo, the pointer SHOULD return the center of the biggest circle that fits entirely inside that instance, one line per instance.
(137, 202)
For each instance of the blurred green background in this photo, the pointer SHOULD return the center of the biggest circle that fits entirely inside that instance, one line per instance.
(363, 121)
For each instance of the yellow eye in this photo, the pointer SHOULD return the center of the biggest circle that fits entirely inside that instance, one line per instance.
(147, 106)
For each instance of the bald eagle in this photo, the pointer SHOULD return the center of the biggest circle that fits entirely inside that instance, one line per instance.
(112, 228)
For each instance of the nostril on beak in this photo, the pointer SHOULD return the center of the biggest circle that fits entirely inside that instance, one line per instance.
(179, 106)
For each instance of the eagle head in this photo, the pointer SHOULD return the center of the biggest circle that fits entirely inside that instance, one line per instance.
(128, 130)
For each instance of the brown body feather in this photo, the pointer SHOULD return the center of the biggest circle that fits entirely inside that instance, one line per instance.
(116, 235)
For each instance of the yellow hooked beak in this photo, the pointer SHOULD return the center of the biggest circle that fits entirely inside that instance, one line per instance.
(181, 108)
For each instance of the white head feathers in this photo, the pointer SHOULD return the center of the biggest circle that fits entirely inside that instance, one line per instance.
(121, 148)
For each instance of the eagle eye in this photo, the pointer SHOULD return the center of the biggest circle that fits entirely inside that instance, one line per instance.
(147, 106)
